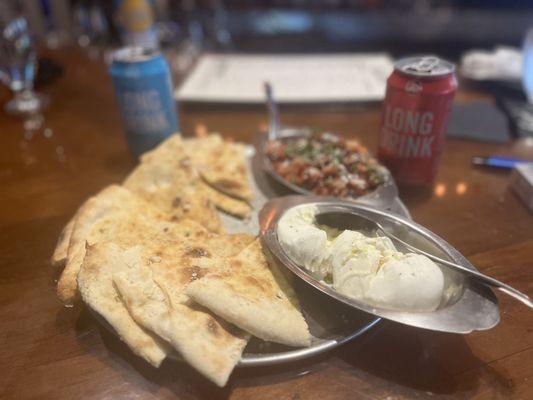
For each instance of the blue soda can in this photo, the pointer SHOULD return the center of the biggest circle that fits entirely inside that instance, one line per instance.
(143, 87)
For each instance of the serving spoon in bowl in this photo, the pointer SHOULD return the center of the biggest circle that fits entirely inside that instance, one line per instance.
(356, 221)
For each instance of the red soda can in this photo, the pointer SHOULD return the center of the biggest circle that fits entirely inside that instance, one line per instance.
(417, 105)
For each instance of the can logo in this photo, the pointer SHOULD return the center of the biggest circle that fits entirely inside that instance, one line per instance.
(407, 133)
(413, 87)
(144, 111)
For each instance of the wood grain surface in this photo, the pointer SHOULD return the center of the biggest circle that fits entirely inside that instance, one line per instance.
(51, 352)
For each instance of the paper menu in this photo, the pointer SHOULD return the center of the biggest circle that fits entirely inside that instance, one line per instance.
(316, 78)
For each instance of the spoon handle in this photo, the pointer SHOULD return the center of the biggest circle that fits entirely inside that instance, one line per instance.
(273, 114)
(487, 280)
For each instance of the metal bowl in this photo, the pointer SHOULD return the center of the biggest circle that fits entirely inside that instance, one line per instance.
(382, 197)
(465, 306)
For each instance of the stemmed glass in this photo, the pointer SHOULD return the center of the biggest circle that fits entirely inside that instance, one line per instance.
(18, 67)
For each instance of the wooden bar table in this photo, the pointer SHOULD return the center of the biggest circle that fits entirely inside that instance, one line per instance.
(48, 351)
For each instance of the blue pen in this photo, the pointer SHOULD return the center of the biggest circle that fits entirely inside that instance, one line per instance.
(498, 162)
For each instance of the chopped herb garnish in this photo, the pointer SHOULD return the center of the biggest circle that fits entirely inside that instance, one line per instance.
(326, 164)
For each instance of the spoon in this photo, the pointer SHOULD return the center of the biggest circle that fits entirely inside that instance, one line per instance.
(359, 222)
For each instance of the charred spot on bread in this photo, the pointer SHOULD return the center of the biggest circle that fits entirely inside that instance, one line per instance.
(212, 327)
(197, 252)
(176, 202)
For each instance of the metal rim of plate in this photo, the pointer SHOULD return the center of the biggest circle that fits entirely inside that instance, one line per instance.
(317, 347)
(465, 306)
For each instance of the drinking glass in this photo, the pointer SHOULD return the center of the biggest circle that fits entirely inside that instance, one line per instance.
(18, 66)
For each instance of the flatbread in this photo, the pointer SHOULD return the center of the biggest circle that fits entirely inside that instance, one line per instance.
(59, 258)
(168, 180)
(176, 253)
(209, 344)
(222, 164)
(170, 148)
(253, 294)
(111, 199)
(201, 152)
(97, 290)
(227, 204)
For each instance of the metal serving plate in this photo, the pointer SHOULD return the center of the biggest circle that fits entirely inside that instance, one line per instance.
(382, 197)
(330, 323)
(465, 306)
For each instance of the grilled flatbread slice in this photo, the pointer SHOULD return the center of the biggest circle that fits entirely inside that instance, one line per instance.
(112, 199)
(253, 294)
(227, 204)
(209, 344)
(176, 253)
(222, 164)
(59, 258)
(98, 291)
(169, 181)
(176, 148)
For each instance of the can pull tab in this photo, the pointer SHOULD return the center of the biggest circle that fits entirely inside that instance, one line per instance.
(426, 64)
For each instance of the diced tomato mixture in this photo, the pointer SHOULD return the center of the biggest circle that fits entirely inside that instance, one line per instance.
(326, 164)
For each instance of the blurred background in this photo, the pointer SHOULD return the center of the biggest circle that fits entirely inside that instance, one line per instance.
(448, 28)
(399, 26)
(487, 39)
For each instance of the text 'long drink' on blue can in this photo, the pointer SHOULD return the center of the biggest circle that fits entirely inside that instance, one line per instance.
(144, 91)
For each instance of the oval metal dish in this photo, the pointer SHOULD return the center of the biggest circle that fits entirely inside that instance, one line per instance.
(382, 197)
(465, 307)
